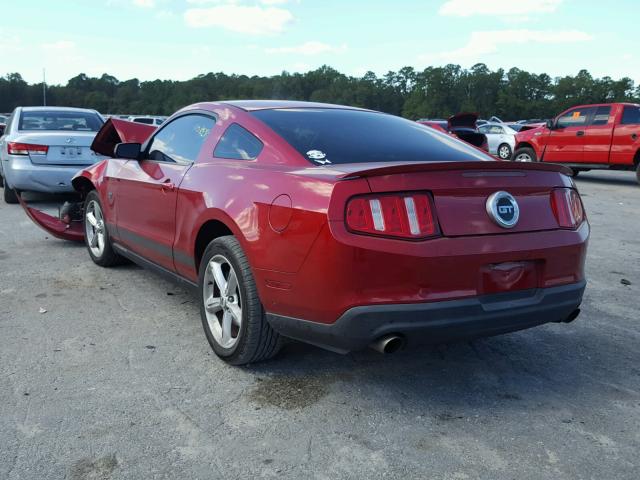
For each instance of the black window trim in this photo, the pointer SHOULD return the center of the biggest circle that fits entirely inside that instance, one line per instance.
(213, 154)
(147, 144)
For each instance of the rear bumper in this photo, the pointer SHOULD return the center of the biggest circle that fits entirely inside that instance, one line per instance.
(437, 322)
(20, 173)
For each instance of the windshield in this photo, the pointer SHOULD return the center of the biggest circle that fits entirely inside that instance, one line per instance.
(336, 136)
(60, 120)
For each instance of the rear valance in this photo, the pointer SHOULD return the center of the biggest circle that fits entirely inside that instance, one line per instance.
(116, 131)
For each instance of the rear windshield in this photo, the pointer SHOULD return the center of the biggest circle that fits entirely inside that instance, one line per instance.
(59, 120)
(336, 136)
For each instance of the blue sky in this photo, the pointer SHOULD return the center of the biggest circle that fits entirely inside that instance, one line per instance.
(179, 39)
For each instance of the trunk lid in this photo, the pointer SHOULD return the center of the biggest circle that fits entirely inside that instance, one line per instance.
(460, 191)
(65, 148)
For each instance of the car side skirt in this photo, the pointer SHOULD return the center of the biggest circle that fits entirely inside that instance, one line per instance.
(144, 263)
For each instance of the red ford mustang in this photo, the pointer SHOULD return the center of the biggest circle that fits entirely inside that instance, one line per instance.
(333, 225)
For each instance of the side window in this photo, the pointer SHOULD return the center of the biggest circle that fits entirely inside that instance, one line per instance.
(238, 143)
(181, 140)
(630, 115)
(496, 129)
(575, 118)
(601, 116)
(483, 129)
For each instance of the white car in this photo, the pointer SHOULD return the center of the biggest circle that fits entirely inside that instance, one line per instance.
(147, 120)
(501, 139)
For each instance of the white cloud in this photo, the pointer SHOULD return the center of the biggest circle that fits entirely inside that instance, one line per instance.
(273, 2)
(506, 8)
(308, 48)
(59, 45)
(250, 20)
(487, 42)
(144, 3)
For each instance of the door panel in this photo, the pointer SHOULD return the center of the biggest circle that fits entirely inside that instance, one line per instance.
(146, 208)
(626, 137)
(597, 139)
(148, 188)
(565, 143)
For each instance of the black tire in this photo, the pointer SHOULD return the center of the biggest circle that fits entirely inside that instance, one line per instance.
(10, 196)
(504, 151)
(525, 152)
(255, 340)
(575, 172)
(638, 172)
(107, 257)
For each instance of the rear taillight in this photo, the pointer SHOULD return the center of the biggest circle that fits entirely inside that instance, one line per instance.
(398, 215)
(15, 148)
(567, 208)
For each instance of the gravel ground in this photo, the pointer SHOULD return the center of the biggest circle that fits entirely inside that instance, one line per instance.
(116, 380)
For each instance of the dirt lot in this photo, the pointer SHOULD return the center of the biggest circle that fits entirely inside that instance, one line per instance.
(116, 380)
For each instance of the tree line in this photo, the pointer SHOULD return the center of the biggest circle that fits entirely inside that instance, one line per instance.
(435, 92)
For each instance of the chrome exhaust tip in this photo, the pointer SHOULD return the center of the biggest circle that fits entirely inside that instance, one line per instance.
(388, 344)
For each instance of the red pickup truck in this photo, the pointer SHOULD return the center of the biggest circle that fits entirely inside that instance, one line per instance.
(600, 136)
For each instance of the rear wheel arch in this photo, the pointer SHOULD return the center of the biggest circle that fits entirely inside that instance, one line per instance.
(209, 231)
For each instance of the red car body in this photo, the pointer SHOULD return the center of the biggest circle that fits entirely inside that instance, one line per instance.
(585, 137)
(320, 280)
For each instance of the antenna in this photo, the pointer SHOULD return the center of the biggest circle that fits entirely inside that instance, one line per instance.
(44, 87)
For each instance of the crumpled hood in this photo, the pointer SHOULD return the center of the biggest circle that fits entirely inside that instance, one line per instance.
(115, 131)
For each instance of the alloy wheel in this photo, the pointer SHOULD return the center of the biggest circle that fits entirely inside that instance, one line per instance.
(523, 157)
(504, 152)
(95, 228)
(222, 301)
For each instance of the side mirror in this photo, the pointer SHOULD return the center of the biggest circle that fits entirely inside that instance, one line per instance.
(127, 150)
(551, 124)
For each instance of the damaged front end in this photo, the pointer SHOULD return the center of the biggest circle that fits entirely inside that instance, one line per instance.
(68, 225)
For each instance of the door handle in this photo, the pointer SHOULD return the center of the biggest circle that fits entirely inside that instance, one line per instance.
(580, 133)
(167, 186)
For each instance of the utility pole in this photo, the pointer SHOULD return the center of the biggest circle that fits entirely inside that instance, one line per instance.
(44, 87)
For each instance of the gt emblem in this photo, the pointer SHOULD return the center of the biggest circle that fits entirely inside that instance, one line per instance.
(503, 209)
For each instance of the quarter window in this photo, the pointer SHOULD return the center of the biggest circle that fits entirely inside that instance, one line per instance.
(496, 130)
(238, 143)
(630, 115)
(181, 140)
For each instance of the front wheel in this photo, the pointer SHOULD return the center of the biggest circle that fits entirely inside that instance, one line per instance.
(232, 315)
(525, 154)
(96, 236)
(504, 152)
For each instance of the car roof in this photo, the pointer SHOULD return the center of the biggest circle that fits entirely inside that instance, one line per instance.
(253, 105)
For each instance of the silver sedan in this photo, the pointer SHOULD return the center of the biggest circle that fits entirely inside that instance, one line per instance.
(43, 147)
(501, 139)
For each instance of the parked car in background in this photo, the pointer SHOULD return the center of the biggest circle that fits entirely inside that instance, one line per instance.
(341, 227)
(2, 128)
(501, 139)
(44, 147)
(462, 125)
(586, 137)
(147, 120)
(3, 119)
